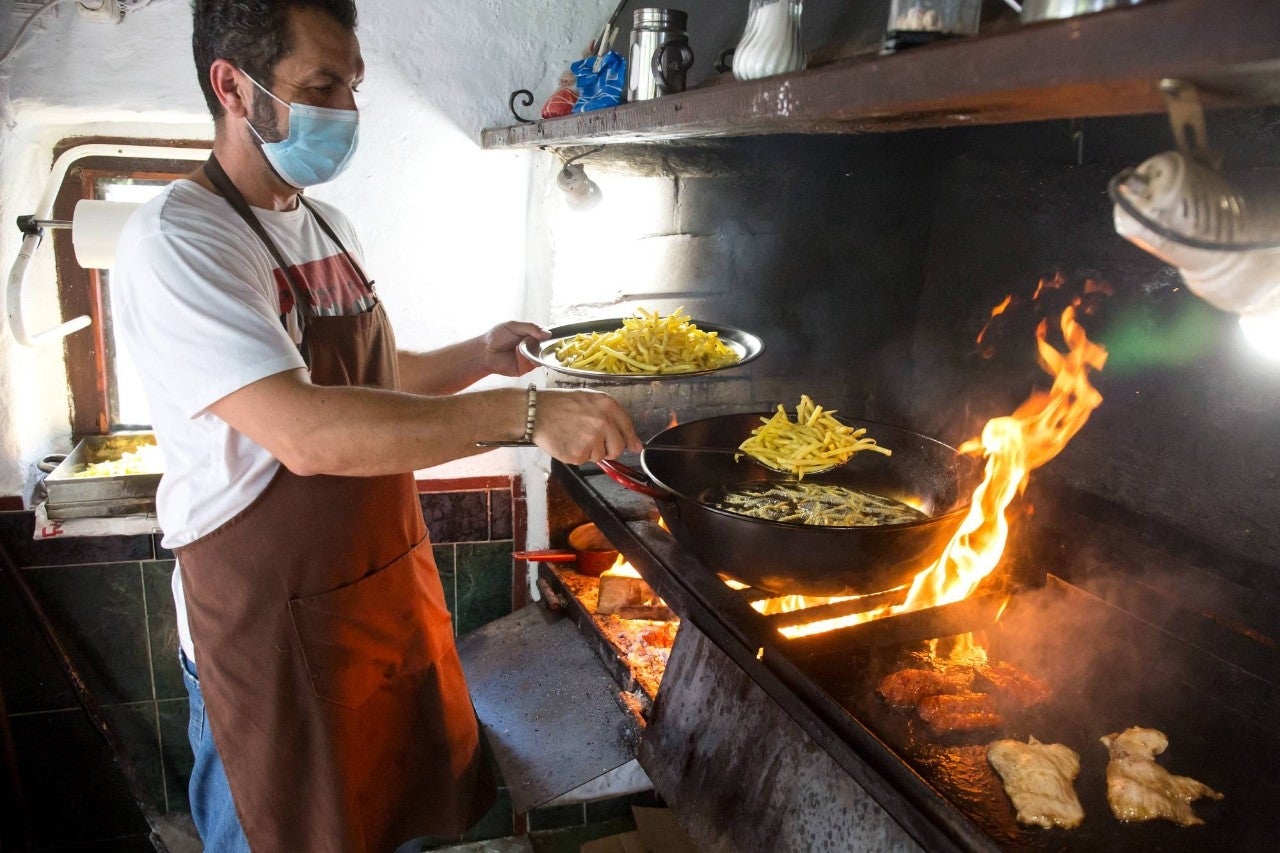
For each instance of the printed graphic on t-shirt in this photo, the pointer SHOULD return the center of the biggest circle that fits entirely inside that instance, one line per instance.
(332, 286)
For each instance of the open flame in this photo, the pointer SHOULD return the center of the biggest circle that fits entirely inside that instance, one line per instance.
(1014, 445)
(995, 312)
(622, 567)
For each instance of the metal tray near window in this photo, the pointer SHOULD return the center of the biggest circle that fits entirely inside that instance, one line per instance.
(95, 497)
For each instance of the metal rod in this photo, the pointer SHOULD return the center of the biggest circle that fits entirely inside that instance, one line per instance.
(835, 610)
(86, 697)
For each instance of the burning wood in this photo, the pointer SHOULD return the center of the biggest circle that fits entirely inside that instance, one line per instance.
(641, 634)
(650, 612)
(620, 588)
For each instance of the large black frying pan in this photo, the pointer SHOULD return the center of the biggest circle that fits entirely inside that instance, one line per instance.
(789, 558)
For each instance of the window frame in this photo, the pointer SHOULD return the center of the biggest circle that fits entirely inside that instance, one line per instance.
(80, 291)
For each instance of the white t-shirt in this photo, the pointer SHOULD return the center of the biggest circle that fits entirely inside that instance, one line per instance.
(203, 312)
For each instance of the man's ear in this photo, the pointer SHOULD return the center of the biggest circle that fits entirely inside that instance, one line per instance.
(231, 88)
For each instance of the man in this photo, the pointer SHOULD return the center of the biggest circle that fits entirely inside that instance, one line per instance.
(329, 711)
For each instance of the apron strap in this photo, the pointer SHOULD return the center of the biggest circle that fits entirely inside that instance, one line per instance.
(302, 305)
(328, 230)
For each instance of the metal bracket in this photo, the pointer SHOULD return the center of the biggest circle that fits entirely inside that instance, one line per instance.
(526, 99)
(1186, 117)
(31, 226)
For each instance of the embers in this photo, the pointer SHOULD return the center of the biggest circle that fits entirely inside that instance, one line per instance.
(633, 636)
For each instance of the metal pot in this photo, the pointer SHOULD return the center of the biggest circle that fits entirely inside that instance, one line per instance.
(588, 549)
(787, 558)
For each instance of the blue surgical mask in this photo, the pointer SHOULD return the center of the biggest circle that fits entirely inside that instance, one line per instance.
(319, 145)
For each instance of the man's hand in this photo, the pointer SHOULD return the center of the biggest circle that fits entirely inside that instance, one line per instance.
(583, 426)
(456, 366)
(500, 343)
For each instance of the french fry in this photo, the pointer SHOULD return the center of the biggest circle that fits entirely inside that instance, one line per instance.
(146, 459)
(647, 343)
(814, 441)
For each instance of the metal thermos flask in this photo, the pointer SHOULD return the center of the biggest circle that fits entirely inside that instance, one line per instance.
(659, 55)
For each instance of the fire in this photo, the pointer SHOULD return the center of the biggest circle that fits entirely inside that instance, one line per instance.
(789, 603)
(964, 650)
(1014, 445)
(823, 625)
(1054, 283)
(622, 567)
(995, 312)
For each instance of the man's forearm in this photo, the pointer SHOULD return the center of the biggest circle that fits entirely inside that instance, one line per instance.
(442, 371)
(315, 429)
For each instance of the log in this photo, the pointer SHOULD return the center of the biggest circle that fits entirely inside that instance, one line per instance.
(654, 612)
(620, 591)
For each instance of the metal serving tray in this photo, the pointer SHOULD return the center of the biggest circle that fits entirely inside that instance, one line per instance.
(745, 344)
(84, 497)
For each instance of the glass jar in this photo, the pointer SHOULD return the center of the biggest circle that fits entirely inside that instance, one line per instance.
(770, 44)
(913, 22)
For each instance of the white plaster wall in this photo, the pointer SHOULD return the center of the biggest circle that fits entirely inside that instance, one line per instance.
(74, 76)
(441, 221)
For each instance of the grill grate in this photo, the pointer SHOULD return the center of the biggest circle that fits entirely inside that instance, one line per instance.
(1202, 672)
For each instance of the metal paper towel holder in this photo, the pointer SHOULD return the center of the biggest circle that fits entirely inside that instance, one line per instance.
(34, 225)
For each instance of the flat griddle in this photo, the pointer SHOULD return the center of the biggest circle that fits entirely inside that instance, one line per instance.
(1108, 670)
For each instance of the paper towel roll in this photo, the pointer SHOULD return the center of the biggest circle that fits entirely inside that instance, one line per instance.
(95, 230)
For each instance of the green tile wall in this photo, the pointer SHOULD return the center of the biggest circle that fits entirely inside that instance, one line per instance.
(110, 600)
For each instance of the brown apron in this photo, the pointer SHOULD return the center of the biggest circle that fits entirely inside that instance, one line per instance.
(326, 655)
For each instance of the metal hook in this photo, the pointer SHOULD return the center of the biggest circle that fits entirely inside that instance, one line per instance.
(526, 99)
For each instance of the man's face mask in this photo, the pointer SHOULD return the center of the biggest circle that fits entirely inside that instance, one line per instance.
(319, 145)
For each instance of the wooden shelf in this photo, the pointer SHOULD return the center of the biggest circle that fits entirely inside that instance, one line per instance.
(1104, 64)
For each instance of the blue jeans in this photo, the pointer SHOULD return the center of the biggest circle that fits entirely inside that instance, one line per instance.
(211, 807)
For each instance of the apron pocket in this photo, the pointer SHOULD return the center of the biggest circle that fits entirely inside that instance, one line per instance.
(360, 637)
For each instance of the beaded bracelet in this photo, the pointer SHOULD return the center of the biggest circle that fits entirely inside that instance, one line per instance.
(531, 415)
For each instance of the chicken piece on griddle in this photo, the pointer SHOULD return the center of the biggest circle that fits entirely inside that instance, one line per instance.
(1012, 687)
(906, 687)
(1038, 778)
(1139, 789)
(958, 712)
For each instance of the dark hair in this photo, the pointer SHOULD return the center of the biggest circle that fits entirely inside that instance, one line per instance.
(252, 34)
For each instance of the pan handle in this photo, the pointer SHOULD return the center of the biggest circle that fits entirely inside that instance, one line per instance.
(545, 556)
(631, 478)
